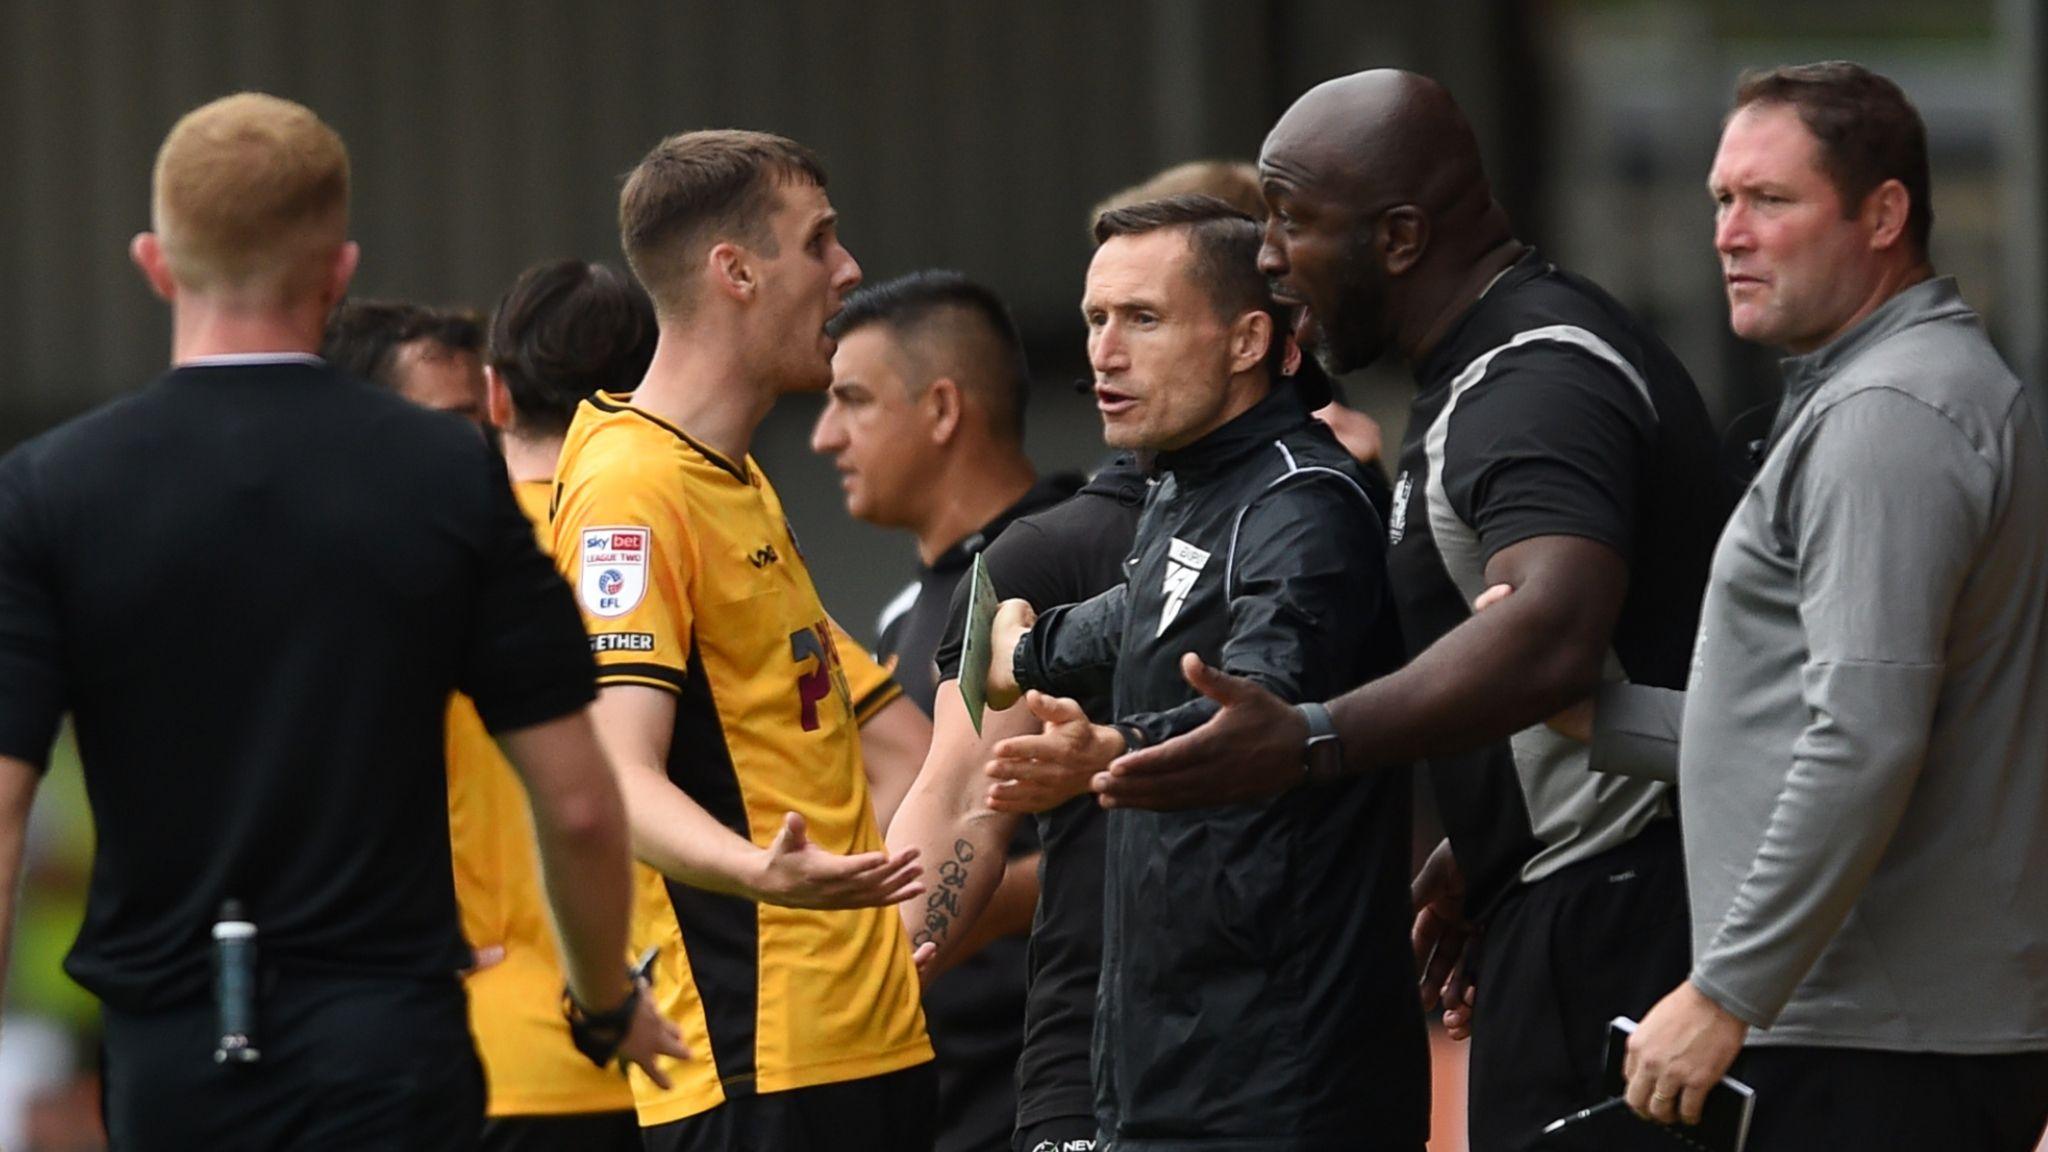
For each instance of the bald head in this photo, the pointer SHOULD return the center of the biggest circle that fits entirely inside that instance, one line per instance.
(1382, 219)
(1384, 137)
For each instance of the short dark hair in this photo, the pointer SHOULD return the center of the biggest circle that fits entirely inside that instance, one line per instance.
(564, 330)
(1225, 243)
(363, 336)
(1868, 132)
(911, 305)
(697, 188)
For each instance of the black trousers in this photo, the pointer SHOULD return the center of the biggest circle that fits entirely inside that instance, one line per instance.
(384, 1065)
(1851, 1100)
(575, 1132)
(894, 1112)
(1602, 938)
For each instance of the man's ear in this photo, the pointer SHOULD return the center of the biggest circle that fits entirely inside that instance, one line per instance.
(340, 270)
(497, 399)
(1251, 337)
(731, 268)
(943, 408)
(147, 251)
(1402, 237)
(1886, 211)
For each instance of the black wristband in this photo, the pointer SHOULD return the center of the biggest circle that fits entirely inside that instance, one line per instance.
(1021, 664)
(598, 1035)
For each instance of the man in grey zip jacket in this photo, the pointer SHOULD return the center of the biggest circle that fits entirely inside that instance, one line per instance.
(1863, 775)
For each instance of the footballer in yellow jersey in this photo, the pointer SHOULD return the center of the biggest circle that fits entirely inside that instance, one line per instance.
(691, 582)
(515, 1009)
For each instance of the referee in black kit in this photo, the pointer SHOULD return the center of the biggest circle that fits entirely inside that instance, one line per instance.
(253, 584)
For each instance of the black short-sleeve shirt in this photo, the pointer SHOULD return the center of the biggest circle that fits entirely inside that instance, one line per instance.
(1548, 410)
(254, 586)
(1064, 554)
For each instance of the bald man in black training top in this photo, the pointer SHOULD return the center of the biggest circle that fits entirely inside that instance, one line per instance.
(1554, 445)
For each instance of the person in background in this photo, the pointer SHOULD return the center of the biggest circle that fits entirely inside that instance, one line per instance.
(925, 424)
(431, 356)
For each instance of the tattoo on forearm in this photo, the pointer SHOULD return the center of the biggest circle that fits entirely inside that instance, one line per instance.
(942, 906)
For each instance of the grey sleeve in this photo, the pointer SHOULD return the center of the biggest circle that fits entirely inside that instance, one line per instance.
(1635, 731)
(1885, 504)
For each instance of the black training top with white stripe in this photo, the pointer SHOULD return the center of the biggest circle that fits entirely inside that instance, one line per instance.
(1549, 410)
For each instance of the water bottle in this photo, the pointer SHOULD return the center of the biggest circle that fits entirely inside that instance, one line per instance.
(234, 986)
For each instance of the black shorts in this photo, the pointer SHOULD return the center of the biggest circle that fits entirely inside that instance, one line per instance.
(383, 1065)
(1605, 937)
(577, 1132)
(1056, 1134)
(894, 1112)
(1852, 1100)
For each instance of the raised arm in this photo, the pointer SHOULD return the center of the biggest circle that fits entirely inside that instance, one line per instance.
(961, 842)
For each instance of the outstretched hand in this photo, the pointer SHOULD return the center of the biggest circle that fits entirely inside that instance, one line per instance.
(1039, 772)
(1251, 749)
(796, 873)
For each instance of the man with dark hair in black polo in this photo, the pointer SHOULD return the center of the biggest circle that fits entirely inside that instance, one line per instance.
(925, 424)
(253, 585)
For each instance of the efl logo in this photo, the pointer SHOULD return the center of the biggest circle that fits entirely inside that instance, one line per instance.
(614, 570)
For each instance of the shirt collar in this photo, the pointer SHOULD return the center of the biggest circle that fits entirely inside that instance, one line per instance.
(1044, 493)
(1935, 298)
(1280, 412)
(237, 359)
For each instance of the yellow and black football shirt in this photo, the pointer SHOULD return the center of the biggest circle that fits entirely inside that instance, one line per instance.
(690, 581)
(515, 1006)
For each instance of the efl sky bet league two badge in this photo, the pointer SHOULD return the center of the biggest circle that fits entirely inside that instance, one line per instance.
(614, 575)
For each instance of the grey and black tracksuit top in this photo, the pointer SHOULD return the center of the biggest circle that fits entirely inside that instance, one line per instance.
(1256, 993)
(1863, 756)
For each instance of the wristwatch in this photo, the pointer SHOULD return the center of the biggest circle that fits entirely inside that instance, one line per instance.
(1323, 758)
(599, 1035)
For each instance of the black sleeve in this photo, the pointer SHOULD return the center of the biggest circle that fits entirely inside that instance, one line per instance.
(1024, 563)
(1072, 650)
(31, 679)
(528, 659)
(1307, 576)
(1550, 443)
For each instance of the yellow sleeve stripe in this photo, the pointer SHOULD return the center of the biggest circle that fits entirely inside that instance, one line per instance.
(865, 708)
(605, 679)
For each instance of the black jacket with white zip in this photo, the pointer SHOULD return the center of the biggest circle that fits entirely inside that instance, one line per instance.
(1257, 992)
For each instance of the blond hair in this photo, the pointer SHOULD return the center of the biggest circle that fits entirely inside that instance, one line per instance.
(249, 196)
(1234, 182)
(698, 189)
